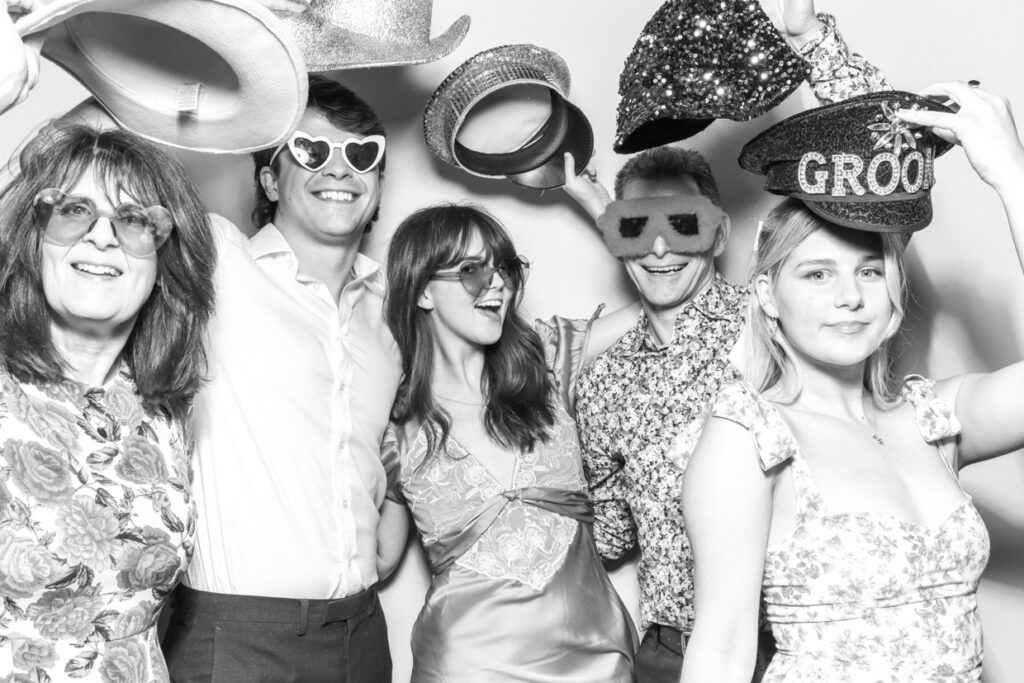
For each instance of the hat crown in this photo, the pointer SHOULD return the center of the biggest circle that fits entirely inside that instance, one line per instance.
(406, 21)
(699, 60)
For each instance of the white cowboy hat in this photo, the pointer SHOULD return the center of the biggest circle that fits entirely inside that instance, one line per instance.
(350, 34)
(207, 75)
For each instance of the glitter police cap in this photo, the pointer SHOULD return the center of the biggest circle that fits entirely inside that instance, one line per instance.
(699, 60)
(504, 113)
(854, 163)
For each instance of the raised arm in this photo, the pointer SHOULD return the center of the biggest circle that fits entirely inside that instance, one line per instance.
(19, 62)
(837, 73)
(989, 406)
(727, 507)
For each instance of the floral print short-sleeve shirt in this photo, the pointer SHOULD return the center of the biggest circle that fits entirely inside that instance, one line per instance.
(96, 527)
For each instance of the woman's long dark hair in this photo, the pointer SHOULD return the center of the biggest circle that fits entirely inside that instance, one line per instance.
(165, 351)
(516, 384)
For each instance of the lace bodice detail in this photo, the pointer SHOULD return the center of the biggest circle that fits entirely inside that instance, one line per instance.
(525, 543)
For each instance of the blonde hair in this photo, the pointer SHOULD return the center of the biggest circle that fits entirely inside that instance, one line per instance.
(769, 356)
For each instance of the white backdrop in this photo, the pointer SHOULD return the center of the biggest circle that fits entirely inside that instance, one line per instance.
(968, 313)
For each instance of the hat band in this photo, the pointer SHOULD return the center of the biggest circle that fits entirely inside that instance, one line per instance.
(534, 153)
(849, 177)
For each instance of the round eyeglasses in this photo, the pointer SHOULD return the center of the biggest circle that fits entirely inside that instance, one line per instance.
(476, 276)
(67, 218)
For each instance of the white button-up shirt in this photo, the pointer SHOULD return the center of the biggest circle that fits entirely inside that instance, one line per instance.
(288, 476)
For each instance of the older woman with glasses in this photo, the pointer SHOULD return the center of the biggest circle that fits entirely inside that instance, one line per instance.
(485, 456)
(106, 270)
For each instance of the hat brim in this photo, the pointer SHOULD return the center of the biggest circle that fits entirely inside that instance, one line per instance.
(327, 47)
(135, 58)
(902, 216)
(578, 141)
(480, 75)
(787, 139)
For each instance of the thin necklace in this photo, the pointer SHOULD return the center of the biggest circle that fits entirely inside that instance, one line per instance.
(455, 400)
(873, 424)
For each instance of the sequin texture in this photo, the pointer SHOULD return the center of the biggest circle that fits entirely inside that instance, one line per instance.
(698, 61)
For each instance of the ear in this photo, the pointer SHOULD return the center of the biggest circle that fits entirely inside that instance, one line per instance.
(722, 236)
(763, 289)
(426, 300)
(269, 183)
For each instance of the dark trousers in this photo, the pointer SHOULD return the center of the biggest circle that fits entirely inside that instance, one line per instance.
(660, 657)
(217, 638)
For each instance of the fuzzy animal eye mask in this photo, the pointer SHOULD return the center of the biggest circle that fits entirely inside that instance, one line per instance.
(687, 224)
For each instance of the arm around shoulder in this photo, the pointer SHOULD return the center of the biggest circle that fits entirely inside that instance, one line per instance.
(727, 507)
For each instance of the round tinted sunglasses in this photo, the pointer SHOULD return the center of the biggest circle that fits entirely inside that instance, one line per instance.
(476, 276)
(313, 153)
(67, 218)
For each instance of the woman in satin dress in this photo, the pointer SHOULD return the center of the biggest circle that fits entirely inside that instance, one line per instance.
(484, 454)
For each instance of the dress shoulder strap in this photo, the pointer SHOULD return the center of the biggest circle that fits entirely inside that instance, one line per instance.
(935, 417)
(773, 441)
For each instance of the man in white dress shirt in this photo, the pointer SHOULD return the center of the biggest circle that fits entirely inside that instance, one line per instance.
(303, 371)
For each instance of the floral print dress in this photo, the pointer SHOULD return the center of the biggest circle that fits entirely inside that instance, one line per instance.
(96, 527)
(863, 597)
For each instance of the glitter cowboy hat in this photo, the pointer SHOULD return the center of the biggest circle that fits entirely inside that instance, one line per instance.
(854, 163)
(504, 113)
(699, 60)
(349, 34)
(207, 75)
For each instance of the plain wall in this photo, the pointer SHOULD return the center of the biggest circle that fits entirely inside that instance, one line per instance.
(968, 313)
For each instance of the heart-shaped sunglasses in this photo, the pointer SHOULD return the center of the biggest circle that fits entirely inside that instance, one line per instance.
(476, 276)
(313, 153)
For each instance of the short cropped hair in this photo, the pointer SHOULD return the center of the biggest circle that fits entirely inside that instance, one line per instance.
(343, 108)
(669, 164)
(165, 351)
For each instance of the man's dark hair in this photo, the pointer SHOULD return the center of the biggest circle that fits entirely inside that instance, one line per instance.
(668, 164)
(345, 110)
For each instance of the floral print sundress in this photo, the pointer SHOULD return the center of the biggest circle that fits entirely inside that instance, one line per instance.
(96, 528)
(861, 597)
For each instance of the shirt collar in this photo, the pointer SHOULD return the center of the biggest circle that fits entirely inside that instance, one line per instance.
(268, 242)
(718, 300)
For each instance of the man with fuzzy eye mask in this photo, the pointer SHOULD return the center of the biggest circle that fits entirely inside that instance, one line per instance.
(641, 401)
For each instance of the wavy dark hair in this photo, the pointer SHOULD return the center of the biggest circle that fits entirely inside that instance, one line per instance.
(346, 111)
(165, 351)
(516, 383)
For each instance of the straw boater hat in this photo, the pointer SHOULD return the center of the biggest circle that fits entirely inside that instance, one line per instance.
(207, 75)
(854, 163)
(349, 34)
(504, 113)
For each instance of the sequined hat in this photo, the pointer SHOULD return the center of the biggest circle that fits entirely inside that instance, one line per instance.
(854, 163)
(504, 113)
(699, 60)
(350, 34)
(208, 75)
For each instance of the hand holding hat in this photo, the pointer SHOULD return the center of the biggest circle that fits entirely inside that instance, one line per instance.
(585, 188)
(983, 125)
(796, 20)
(19, 60)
